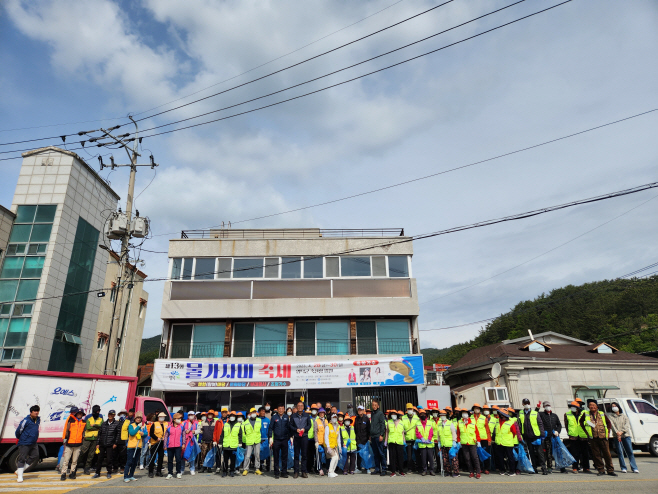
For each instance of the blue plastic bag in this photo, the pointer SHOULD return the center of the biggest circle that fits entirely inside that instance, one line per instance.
(343, 458)
(563, 458)
(323, 458)
(523, 463)
(239, 455)
(291, 455)
(192, 450)
(537, 442)
(365, 452)
(59, 457)
(264, 450)
(482, 454)
(209, 460)
(453, 451)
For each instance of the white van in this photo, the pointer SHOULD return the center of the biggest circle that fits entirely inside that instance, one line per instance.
(642, 416)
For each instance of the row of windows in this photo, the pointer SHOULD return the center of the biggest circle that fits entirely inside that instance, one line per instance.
(26, 249)
(210, 268)
(22, 267)
(270, 339)
(16, 310)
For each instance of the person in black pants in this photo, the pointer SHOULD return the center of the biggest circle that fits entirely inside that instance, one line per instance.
(300, 423)
(157, 433)
(362, 432)
(377, 433)
(107, 443)
(279, 434)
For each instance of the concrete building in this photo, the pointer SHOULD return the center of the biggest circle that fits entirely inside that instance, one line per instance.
(130, 317)
(6, 220)
(47, 320)
(552, 367)
(272, 315)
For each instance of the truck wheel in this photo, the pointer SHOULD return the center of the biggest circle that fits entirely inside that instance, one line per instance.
(12, 463)
(653, 446)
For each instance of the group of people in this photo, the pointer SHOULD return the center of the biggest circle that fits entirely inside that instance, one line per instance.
(414, 440)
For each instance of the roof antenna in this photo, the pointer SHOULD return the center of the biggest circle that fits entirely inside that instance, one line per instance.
(532, 338)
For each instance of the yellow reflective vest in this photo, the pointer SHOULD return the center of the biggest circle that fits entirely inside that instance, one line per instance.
(395, 432)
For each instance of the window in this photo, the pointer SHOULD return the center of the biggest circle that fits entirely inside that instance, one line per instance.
(291, 267)
(12, 267)
(145, 391)
(332, 338)
(305, 339)
(496, 395)
(204, 268)
(101, 342)
(33, 267)
(27, 290)
(651, 398)
(271, 267)
(393, 337)
(181, 340)
(224, 267)
(366, 337)
(12, 354)
(398, 267)
(355, 266)
(248, 268)
(8, 290)
(16, 249)
(208, 340)
(187, 268)
(17, 331)
(142, 309)
(644, 407)
(313, 267)
(271, 340)
(152, 406)
(243, 340)
(176, 266)
(332, 267)
(378, 265)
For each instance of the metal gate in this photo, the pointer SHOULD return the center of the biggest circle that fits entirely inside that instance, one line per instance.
(391, 397)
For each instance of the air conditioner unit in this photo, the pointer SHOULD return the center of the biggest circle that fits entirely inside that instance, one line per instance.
(139, 227)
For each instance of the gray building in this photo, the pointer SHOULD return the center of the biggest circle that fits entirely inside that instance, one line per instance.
(47, 320)
(272, 315)
(6, 220)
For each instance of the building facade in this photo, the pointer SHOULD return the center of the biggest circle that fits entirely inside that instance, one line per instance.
(252, 316)
(47, 318)
(553, 367)
(6, 220)
(130, 319)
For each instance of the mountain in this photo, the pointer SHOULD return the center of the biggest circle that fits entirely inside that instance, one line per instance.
(149, 350)
(623, 313)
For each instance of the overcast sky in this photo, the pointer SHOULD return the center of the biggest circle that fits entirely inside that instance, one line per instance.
(577, 66)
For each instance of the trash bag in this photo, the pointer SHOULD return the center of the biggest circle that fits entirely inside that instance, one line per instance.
(482, 454)
(563, 458)
(365, 452)
(343, 458)
(192, 450)
(239, 455)
(291, 455)
(264, 450)
(454, 450)
(59, 457)
(523, 463)
(323, 458)
(209, 460)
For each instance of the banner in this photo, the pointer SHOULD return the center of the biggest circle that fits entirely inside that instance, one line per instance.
(348, 371)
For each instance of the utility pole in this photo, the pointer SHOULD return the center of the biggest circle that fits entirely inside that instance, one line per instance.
(122, 226)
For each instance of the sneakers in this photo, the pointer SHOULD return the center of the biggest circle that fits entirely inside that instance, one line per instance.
(179, 475)
(295, 475)
(575, 470)
(63, 477)
(244, 473)
(258, 472)
(169, 476)
(86, 471)
(432, 473)
(402, 474)
(72, 476)
(109, 475)
(513, 474)
(502, 473)
(132, 479)
(141, 467)
(276, 476)
(193, 472)
(96, 476)
(478, 476)
(393, 474)
(126, 480)
(471, 475)
(486, 472)
(612, 474)
(636, 471)
(322, 473)
(600, 474)
(332, 475)
(151, 475)
(623, 470)
(304, 475)
(382, 474)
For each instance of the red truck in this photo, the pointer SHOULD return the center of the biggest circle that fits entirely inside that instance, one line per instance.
(56, 393)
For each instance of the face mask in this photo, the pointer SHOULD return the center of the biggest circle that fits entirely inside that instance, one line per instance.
(476, 410)
(95, 414)
(210, 417)
(444, 419)
(161, 419)
(394, 417)
(410, 412)
(573, 410)
(267, 409)
(289, 414)
(464, 415)
(122, 416)
(334, 420)
(314, 412)
(495, 412)
(240, 419)
(435, 415)
(232, 419)
(340, 419)
(254, 415)
(527, 407)
(548, 409)
(615, 409)
(348, 423)
(177, 421)
(486, 412)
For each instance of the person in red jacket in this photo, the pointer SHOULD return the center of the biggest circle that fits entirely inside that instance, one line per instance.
(72, 436)
(504, 437)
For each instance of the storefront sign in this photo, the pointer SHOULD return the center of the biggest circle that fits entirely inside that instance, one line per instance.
(169, 374)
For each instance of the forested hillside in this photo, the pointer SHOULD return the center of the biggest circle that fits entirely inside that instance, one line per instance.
(623, 313)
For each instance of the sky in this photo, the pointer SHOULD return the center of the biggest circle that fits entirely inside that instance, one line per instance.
(571, 68)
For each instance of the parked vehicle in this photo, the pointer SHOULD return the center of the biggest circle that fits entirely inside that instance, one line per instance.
(56, 393)
(642, 416)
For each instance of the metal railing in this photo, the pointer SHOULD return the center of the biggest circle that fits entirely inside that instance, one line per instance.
(293, 233)
(303, 347)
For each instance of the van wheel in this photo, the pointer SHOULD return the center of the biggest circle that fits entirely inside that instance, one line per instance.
(653, 446)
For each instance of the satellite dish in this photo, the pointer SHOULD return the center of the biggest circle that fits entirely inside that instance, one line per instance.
(495, 370)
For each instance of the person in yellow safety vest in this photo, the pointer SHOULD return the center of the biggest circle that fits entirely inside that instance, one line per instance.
(506, 433)
(532, 430)
(319, 425)
(577, 446)
(492, 420)
(409, 422)
(425, 438)
(332, 441)
(157, 433)
(92, 426)
(348, 437)
(482, 424)
(447, 436)
(597, 425)
(251, 436)
(231, 438)
(394, 439)
(469, 437)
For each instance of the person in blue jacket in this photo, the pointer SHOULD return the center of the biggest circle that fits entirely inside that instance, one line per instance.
(279, 435)
(27, 434)
(264, 427)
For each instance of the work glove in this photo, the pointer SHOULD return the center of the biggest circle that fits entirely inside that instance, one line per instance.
(271, 442)
(479, 444)
(65, 441)
(385, 444)
(454, 443)
(214, 443)
(555, 433)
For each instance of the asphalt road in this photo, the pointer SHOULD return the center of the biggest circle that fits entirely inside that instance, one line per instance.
(645, 481)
